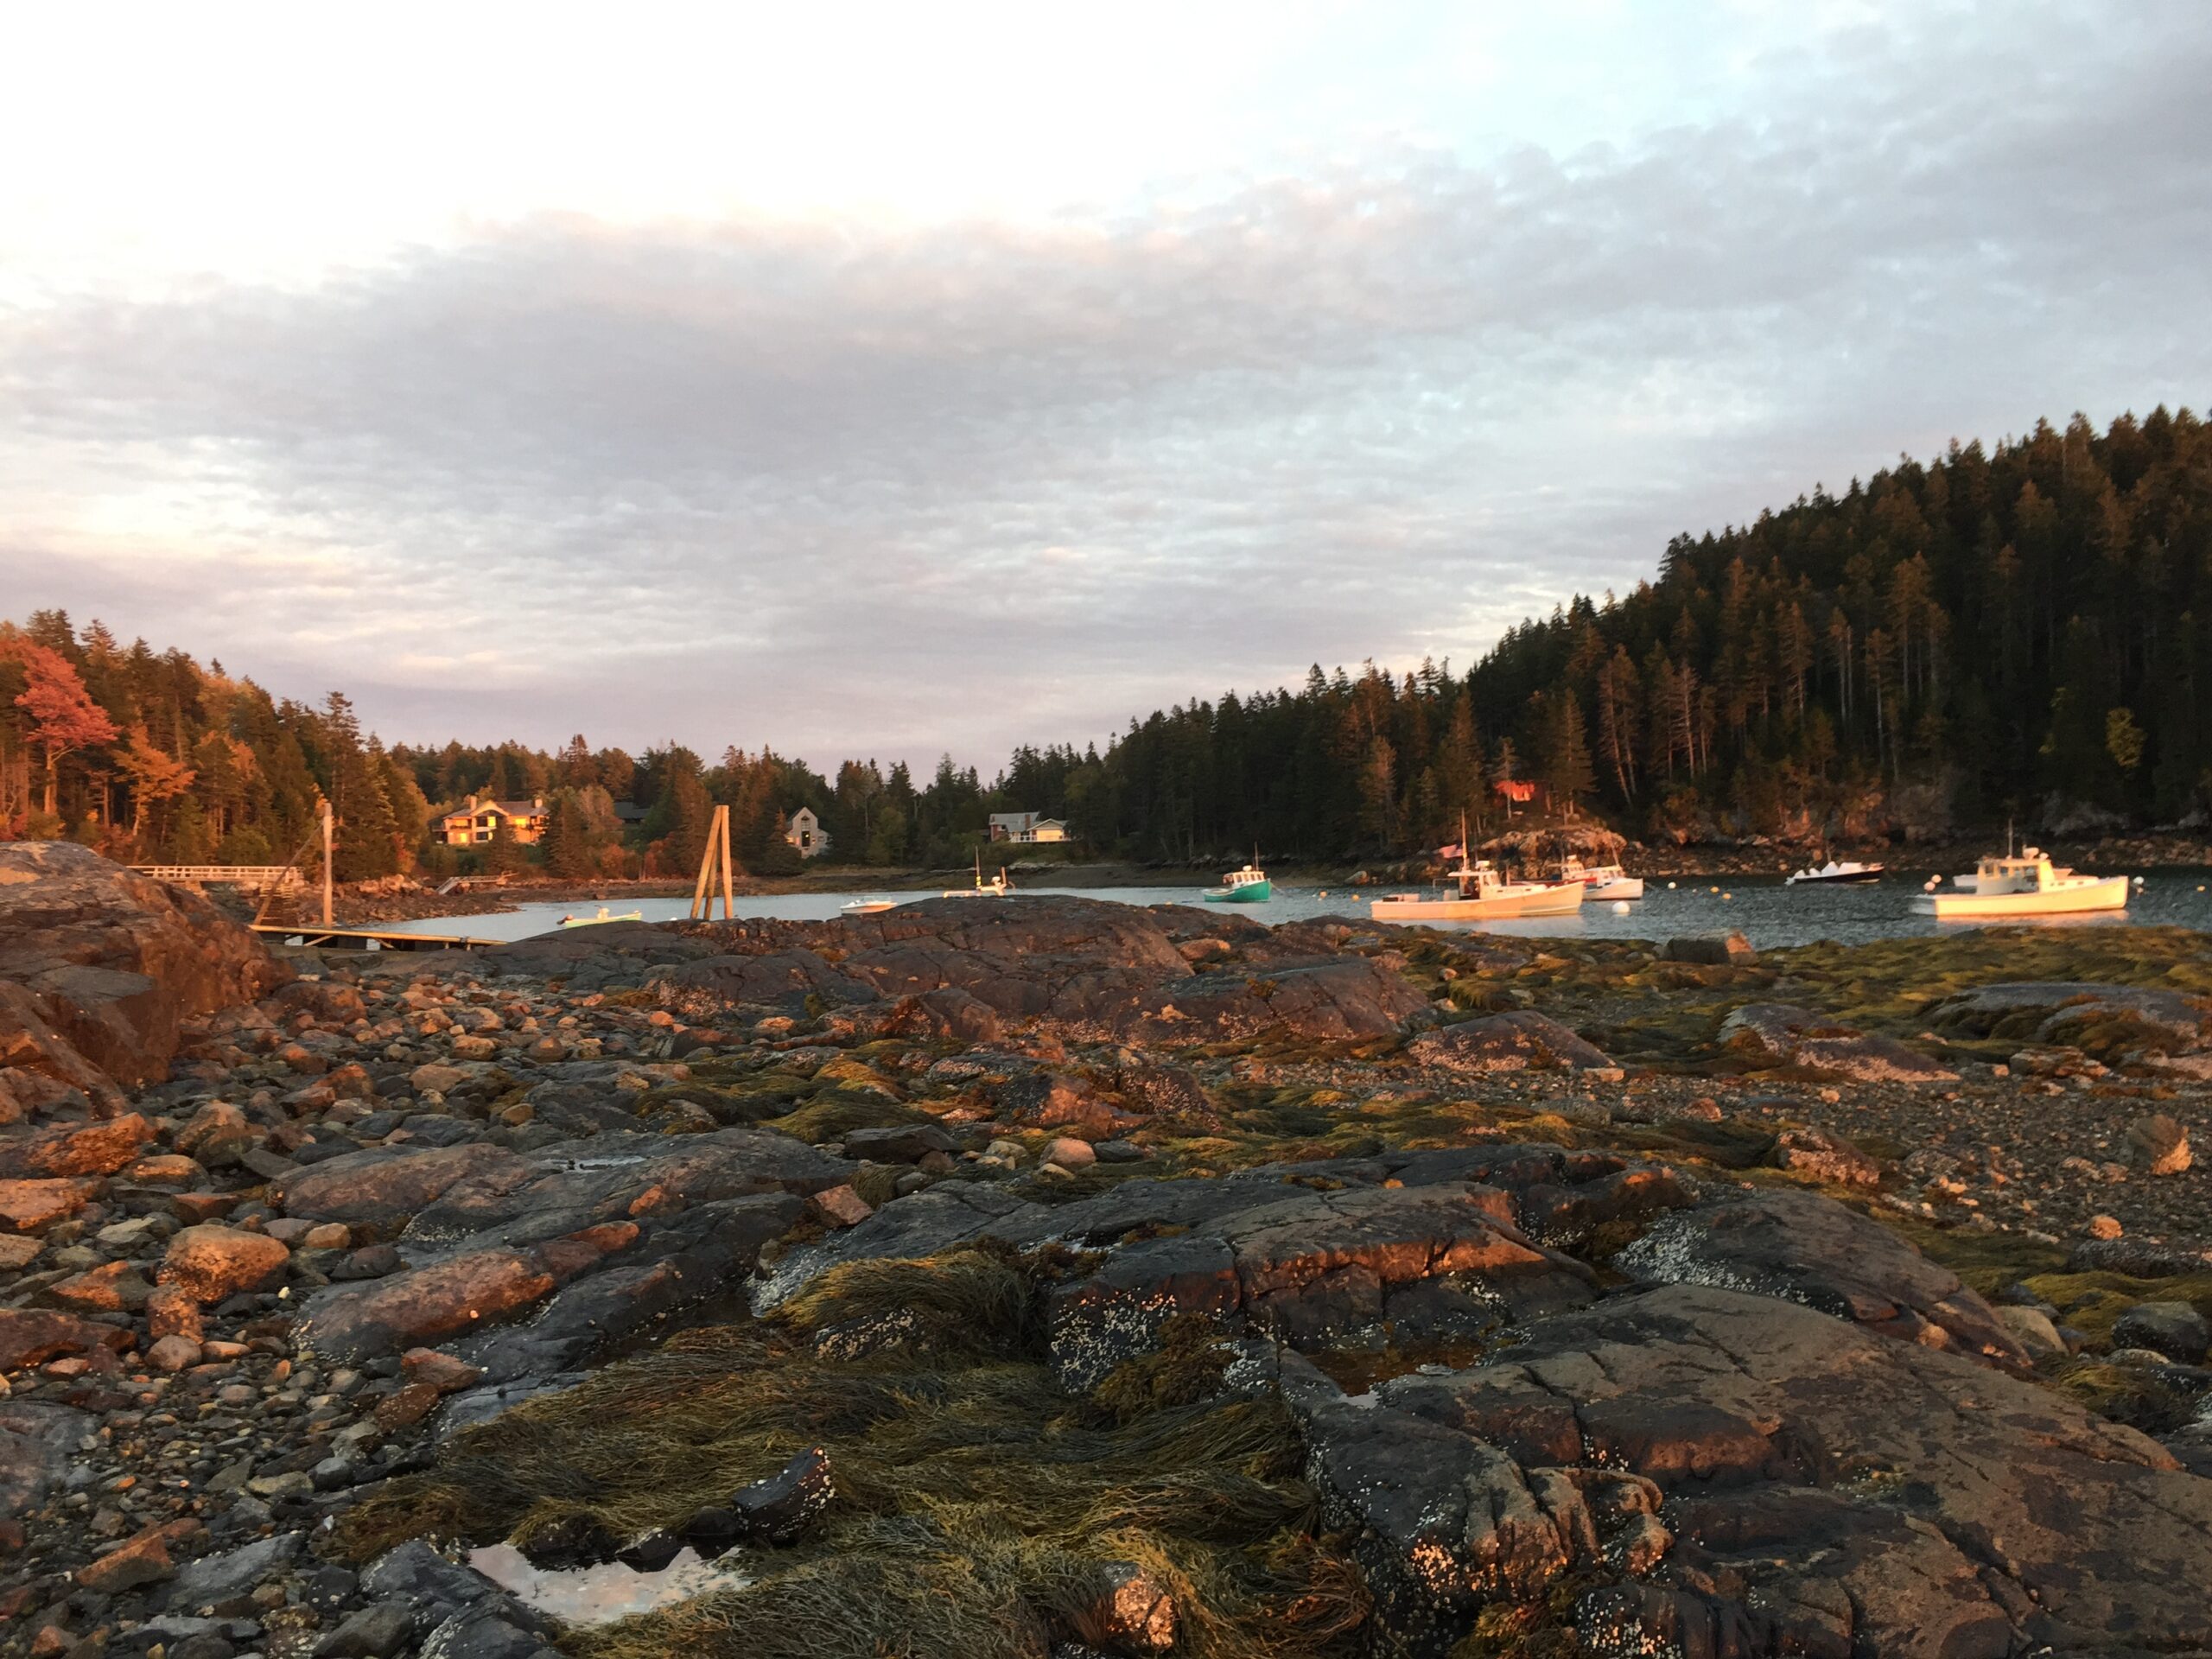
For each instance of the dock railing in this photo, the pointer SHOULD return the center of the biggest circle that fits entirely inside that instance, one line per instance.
(243, 876)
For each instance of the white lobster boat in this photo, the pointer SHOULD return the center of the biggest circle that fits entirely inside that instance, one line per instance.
(1602, 881)
(2027, 886)
(1484, 896)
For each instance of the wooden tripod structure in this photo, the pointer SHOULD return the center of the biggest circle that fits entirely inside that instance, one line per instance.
(702, 901)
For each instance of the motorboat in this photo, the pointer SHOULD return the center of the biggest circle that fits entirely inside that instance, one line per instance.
(1602, 880)
(997, 887)
(867, 906)
(603, 916)
(1834, 872)
(2029, 885)
(1484, 895)
(1249, 886)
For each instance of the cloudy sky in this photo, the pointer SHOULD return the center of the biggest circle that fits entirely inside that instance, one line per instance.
(890, 380)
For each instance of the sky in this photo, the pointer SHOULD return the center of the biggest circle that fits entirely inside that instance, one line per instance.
(892, 380)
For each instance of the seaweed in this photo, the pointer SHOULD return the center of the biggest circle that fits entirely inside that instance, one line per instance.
(980, 1510)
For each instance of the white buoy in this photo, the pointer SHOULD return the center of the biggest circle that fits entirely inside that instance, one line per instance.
(1670, 887)
(1620, 907)
(2139, 881)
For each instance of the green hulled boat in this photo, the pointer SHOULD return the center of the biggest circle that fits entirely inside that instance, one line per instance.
(1249, 886)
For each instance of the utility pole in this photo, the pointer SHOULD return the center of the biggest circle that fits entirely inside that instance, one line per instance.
(326, 864)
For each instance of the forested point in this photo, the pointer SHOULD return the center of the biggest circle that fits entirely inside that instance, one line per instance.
(2024, 632)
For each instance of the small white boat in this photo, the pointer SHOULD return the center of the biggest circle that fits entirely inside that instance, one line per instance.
(997, 887)
(867, 906)
(603, 916)
(1484, 895)
(1834, 872)
(1602, 880)
(2029, 885)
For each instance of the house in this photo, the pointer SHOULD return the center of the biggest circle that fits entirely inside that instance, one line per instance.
(629, 812)
(474, 824)
(1027, 827)
(805, 833)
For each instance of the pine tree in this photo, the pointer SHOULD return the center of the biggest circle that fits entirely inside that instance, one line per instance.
(1567, 776)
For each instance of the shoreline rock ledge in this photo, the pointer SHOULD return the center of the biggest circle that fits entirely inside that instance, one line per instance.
(631, 1239)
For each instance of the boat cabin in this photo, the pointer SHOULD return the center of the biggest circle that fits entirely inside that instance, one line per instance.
(2030, 872)
(1249, 876)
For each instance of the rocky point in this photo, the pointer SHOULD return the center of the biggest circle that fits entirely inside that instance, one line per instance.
(1048, 1277)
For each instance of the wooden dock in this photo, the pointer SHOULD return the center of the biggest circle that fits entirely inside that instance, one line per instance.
(368, 939)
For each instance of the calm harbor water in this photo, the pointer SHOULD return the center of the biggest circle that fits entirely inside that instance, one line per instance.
(1767, 913)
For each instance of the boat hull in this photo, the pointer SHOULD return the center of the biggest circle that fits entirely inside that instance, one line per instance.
(1626, 886)
(1850, 878)
(598, 921)
(1250, 892)
(2109, 894)
(1503, 906)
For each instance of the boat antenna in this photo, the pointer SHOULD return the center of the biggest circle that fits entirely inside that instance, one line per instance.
(2008, 837)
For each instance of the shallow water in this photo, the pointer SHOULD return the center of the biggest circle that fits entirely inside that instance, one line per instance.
(595, 1595)
(1765, 911)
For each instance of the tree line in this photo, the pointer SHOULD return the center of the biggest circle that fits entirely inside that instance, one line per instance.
(2013, 630)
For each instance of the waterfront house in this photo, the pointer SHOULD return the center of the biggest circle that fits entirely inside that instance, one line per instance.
(475, 824)
(805, 833)
(1027, 827)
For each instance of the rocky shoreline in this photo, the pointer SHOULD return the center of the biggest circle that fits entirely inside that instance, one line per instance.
(1062, 1278)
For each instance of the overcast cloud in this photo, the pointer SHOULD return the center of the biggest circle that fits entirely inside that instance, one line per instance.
(852, 483)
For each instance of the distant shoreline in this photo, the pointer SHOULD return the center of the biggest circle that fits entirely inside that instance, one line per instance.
(2129, 854)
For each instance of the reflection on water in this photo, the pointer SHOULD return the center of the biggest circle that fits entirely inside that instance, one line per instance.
(1767, 913)
(593, 1595)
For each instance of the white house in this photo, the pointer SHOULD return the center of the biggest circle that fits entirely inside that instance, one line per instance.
(1026, 827)
(805, 833)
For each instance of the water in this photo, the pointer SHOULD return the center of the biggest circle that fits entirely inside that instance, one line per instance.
(1762, 908)
(595, 1595)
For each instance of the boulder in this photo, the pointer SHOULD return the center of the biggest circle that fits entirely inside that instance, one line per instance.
(1354, 1268)
(1329, 1001)
(31, 1337)
(144, 1559)
(1519, 1041)
(381, 1189)
(1803, 1248)
(2107, 1020)
(1734, 950)
(38, 1067)
(1826, 1158)
(210, 1263)
(906, 1143)
(117, 962)
(1825, 1492)
(1777, 1035)
(2157, 1144)
(2174, 1329)
(34, 1206)
(236, 1571)
(779, 1510)
(38, 1444)
(74, 1149)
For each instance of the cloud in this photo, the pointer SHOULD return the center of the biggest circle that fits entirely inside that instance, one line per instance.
(851, 488)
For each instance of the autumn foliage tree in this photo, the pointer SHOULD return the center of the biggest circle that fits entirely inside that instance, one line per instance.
(63, 718)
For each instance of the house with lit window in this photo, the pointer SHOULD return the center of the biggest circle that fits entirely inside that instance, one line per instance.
(1027, 827)
(475, 823)
(805, 834)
